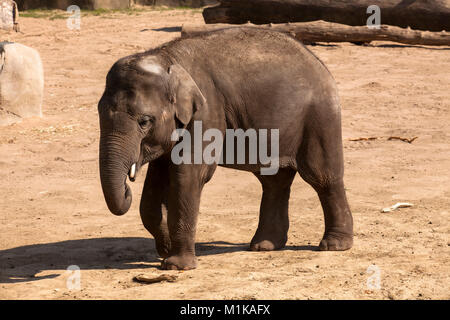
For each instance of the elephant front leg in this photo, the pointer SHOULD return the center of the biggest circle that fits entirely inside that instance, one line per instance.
(153, 208)
(186, 184)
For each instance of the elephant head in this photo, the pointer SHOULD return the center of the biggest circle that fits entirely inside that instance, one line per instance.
(144, 101)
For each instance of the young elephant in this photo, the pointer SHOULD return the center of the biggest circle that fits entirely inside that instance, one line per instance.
(229, 79)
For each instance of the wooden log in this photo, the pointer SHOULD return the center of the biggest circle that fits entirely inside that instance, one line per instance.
(432, 15)
(322, 31)
(177, 3)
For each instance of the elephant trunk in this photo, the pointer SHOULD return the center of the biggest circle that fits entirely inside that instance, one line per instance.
(115, 163)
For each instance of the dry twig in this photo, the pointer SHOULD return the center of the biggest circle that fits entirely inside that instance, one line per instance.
(155, 279)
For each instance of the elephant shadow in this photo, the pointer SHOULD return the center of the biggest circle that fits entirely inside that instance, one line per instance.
(24, 263)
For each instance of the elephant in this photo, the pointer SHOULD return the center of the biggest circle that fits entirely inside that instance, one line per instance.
(236, 78)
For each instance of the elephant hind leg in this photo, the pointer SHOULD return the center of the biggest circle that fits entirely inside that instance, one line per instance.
(273, 216)
(321, 164)
(153, 207)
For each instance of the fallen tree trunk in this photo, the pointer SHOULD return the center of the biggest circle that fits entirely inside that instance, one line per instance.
(432, 15)
(321, 31)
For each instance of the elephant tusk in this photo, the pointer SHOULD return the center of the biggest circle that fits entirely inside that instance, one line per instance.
(132, 173)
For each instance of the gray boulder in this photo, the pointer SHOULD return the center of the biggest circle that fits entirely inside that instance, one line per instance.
(21, 82)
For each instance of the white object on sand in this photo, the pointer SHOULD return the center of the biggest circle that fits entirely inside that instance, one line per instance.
(21, 82)
(397, 205)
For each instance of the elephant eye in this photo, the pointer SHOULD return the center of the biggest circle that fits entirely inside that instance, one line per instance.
(145, 122)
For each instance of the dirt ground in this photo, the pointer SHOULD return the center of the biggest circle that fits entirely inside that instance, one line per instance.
(53, 214)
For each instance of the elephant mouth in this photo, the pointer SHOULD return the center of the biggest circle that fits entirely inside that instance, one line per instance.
(132, 173)
(144, 157)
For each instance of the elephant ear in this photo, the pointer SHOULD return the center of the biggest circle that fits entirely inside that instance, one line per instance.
(184, 94)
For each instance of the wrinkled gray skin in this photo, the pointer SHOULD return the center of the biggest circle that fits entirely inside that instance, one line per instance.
(235, 78)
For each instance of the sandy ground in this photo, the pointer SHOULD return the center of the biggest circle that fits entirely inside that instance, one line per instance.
(53, 214)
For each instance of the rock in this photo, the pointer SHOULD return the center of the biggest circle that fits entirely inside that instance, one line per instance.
(21, 82)
(9, 15)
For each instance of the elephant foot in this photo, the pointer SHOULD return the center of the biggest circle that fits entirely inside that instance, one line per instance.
(185, 262)
(336, 242)
(163, 248)
(267, 244)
